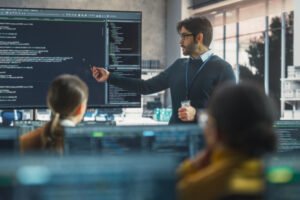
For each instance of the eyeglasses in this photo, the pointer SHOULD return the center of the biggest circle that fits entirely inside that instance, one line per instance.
(183, 36)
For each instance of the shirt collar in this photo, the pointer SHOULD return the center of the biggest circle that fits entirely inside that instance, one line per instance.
(67, 122)
(203, 56)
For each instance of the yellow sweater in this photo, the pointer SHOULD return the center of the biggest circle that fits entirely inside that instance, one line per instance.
(228, 173)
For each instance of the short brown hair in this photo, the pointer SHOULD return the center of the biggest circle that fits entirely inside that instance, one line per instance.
(198, 25)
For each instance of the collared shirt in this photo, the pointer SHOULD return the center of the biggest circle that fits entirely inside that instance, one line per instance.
(203, 56)
(67, 122)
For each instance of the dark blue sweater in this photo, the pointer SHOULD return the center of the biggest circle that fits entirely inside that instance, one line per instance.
(214, 72)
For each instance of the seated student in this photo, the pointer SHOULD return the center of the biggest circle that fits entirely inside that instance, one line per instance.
(238, 131)
(67, 99)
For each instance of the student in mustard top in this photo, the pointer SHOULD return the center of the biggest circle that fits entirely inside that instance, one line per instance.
(67, 98)
(238, 131)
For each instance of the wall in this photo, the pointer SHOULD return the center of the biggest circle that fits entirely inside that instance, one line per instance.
(172, 38)
(153, 22)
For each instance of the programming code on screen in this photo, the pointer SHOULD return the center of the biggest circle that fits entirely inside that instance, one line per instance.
(288, 136)
(36, 45)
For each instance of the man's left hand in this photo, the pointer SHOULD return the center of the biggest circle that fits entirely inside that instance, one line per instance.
(187, 114)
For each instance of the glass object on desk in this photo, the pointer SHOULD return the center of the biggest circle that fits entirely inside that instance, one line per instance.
(156, 114)
(162, 114)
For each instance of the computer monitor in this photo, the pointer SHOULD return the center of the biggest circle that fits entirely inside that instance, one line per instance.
(122, 177)
(288, 135)
(181, 140)
(282, 169)
(9, 140)
(36, 45)
(282, 174)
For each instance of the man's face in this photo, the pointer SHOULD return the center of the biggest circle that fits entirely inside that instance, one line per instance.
(187, 42)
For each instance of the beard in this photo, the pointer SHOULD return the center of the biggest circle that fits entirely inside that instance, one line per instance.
(189, 49)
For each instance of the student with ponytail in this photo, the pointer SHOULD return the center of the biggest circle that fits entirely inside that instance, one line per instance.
(67, 98)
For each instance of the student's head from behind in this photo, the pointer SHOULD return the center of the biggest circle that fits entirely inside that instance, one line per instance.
(240, 117)
(196, 34)
(67, 99)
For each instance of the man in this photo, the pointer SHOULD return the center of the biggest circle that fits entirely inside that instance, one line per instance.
(191, 80)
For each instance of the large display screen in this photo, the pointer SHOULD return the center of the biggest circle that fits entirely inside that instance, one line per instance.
(36, 45)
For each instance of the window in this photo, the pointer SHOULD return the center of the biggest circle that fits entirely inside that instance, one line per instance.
(245, 28)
